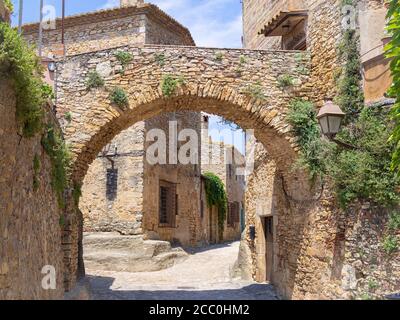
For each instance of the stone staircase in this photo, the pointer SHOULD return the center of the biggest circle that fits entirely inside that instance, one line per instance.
(114, 252)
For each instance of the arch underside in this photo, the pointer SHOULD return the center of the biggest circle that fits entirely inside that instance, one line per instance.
(278, 145)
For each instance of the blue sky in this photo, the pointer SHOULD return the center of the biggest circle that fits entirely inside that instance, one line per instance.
(213, 23)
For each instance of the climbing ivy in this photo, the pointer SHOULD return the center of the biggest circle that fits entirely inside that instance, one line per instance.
(216, 196)
(77, 192)
(302, 117)
(350, 94)
(393, 52)
(20, 65)
(60, 158)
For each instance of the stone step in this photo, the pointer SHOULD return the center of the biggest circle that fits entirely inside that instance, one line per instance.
(114, 241)
(114, 252)
(125, 261)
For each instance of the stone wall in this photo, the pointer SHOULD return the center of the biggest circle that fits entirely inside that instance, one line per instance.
(134, 25)
(112, 191)
(319, 251)
(228, 164)
(323, 36)
(186, 177)
(30, 233)
(134, 194)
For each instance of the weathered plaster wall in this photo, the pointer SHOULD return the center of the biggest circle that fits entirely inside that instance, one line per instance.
(30, 234)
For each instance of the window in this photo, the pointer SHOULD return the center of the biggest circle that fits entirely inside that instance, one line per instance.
(233, 214)
(168, 207)
(111, 184)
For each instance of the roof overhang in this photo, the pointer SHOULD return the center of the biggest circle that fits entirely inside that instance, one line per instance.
(283, 22)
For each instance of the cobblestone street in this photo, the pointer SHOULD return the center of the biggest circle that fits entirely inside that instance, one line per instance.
(204, 276)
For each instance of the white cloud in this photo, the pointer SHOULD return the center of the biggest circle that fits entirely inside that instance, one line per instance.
(211, 22)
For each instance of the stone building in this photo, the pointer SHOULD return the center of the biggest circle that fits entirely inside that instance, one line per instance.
(134, 23)
(122, 192)
(228, 164)
(315, 26)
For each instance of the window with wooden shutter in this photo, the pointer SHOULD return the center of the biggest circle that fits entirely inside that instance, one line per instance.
(233, 214)
(168, 206)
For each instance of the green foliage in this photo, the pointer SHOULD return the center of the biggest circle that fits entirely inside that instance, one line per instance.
(20, 64)
(360, 174)
(390, 244)
(170, 83)
(60, 157)
(119, 97)
(47, 92)
(9, 5)
(219, 56)
(302, 117)
(216, 196)
(393, 52)
(77, 193)
(68, 116)
(94, 80)
(350, 95)
(303, 70)
(124, 58)
(242, 60)
(255, 91)
(285, 81)
(299, 57)
(365, 173)
(160, 59)
(372, 284)
(36, 172)
(394, 221)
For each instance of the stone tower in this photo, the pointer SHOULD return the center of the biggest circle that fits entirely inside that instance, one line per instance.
(128, 3)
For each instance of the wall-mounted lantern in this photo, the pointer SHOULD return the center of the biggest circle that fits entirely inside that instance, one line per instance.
(330, 119)
(51, 66)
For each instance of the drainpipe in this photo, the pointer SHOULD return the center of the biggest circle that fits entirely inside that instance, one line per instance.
(40, 29)
(21, 8)
(62, 27)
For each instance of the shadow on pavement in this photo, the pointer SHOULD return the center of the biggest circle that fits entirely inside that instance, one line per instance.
(101, 290)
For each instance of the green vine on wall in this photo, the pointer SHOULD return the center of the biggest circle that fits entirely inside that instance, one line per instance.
(20, 65)
(216, 196)
(60, 158)
(393, 52)
(350, 94)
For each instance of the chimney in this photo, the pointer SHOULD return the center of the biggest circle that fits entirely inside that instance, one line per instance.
(130, 3)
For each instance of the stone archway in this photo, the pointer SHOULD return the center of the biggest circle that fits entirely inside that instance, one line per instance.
(243, 86)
